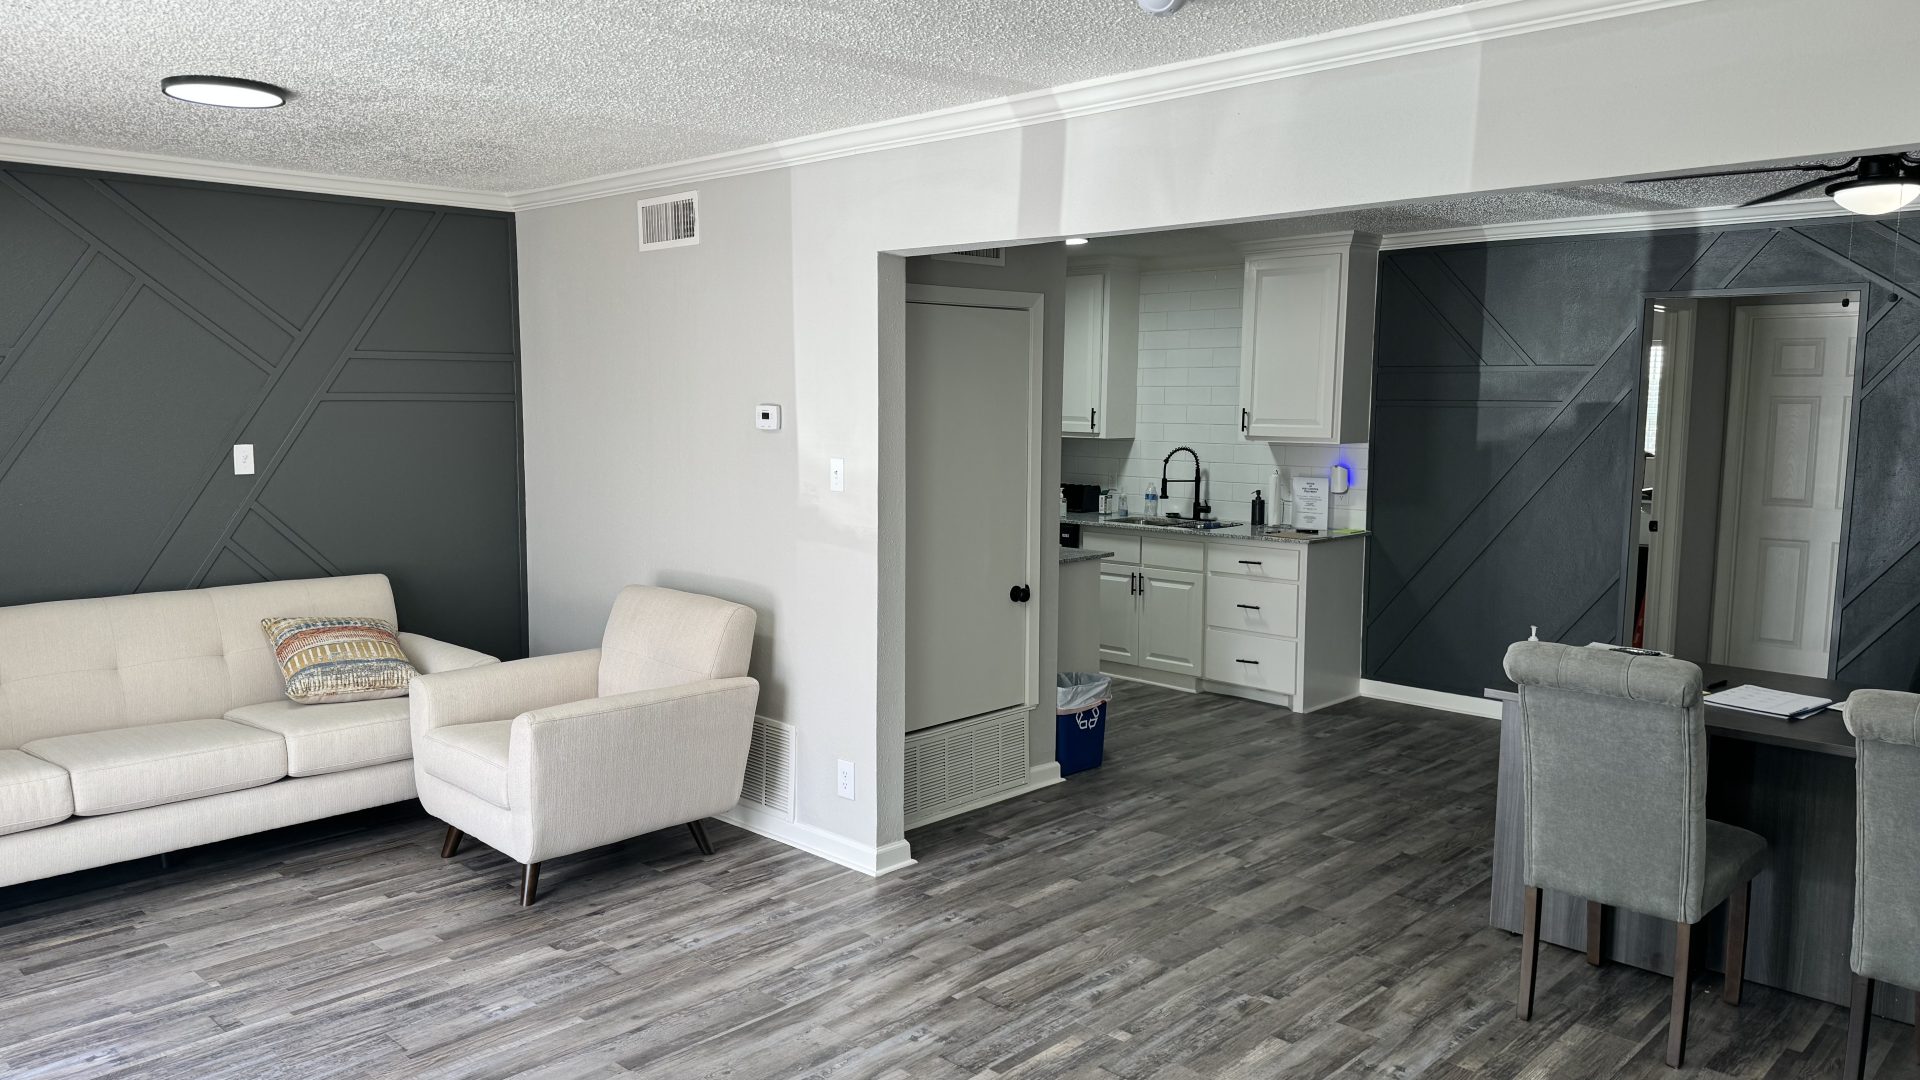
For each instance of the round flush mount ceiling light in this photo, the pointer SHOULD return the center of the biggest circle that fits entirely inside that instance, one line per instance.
(1074, 241)
(1161, 7)
(227, 93)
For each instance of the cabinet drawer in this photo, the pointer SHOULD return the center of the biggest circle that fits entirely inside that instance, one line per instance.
(1279, 562)
(1262, 663)
(1173, 554)
(1124, 545)
(1259, 607)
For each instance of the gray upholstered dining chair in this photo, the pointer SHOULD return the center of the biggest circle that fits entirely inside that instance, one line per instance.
(1886, 891)
(1616, 788)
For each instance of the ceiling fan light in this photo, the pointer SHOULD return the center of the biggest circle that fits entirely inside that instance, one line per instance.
(1877, 196)
(224, 92)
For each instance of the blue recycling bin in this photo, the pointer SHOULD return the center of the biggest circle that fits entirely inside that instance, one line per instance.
(1080, 721)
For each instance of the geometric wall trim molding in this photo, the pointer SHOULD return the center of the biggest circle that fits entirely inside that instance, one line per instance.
(1506, 418)
(367, 351)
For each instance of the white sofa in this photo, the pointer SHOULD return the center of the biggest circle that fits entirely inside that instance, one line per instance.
(138, 725)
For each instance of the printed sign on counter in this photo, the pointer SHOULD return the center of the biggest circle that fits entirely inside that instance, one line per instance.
(1309, 504)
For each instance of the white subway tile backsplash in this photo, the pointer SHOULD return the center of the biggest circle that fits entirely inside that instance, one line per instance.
(1189, 395)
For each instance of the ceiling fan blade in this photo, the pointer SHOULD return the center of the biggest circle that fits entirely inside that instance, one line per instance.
(1797, 189)
(1746, 172)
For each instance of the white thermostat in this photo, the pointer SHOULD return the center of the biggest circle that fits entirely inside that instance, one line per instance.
(766, 417)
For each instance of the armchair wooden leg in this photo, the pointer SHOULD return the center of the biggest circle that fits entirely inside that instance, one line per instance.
(529, 884)
(1859, 1019)
(1737, 906)
(1596, 942)
(1682, 993)
(451, 845)
(699, 831)
(1529, 950)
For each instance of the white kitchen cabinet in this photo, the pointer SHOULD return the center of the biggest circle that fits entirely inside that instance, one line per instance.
(1151, 616)
(1306, 338)
(1283, 623)
(1100, 370)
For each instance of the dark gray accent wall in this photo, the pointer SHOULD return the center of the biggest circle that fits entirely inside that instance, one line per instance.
(1505, 424)
(368, 351)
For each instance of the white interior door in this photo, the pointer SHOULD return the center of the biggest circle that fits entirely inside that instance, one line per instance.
(1789, 405)
(972, 489)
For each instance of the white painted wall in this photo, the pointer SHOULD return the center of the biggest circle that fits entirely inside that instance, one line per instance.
(640, 370)
(1189, 395)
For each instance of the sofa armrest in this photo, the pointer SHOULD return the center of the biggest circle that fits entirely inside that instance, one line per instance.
(591, 772)
(501, 691)
(429, 655)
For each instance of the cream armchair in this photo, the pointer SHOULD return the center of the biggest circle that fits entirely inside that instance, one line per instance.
(552, 755)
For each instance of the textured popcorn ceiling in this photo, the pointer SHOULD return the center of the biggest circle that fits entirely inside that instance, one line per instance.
(499, 95)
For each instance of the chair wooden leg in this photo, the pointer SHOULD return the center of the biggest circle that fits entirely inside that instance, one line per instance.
(529, 884)
(1596, 941)
(1737, 907)
(451, 845)
(1859, 1019)
(1682, 993)
(1529, 951)
(699, 831)
(1916, 1026)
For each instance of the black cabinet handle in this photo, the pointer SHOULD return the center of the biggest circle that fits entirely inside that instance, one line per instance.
(1020, 594)
(1249, 607)
(1255, 663)
(1249, 562)
(1092, 414)
(1243, 421)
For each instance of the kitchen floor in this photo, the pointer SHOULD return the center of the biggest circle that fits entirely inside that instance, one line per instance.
(1238, 892)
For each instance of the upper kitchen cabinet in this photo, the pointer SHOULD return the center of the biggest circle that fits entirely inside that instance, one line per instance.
(1306, 340)
(1102, 349)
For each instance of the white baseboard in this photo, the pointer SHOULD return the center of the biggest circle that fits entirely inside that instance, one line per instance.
(1045, 774)
(866, 858)
(1430, 699)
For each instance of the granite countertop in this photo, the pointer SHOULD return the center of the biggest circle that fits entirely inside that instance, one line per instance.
(1074, 555)
(1238, 533)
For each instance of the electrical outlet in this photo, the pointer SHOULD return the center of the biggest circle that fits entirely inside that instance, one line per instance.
(846, 779)
(836, 474)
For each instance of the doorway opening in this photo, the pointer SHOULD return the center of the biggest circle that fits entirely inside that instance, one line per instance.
(1746, 420)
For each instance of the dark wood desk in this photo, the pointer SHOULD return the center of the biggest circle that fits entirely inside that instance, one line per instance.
(1789, 781)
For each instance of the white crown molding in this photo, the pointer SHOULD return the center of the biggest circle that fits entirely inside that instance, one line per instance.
(126, 161)
(1467, 24)
(1647, 221)
(1329, 241)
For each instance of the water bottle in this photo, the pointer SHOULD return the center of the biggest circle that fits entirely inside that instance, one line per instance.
(1150, 503)
(1119, 503)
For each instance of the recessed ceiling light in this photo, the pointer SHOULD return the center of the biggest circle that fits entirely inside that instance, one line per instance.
(1075, 241)
(1162, 7)
(224, 92)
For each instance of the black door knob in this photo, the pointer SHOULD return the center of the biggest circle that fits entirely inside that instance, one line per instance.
(1019, 594)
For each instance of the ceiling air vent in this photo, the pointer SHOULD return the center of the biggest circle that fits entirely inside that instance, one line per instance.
(984, 256)
(670, 221)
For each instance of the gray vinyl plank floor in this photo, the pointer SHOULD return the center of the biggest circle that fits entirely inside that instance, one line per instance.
(1240, 892)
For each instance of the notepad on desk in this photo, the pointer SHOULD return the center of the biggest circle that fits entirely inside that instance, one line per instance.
(1759, 699)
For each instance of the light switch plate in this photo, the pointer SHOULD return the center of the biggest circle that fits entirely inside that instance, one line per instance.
(846, 779)
(836, 474)
(243, 459)
(766, 417)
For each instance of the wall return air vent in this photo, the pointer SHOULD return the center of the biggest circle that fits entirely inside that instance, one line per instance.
(670, 221)
(769, 778)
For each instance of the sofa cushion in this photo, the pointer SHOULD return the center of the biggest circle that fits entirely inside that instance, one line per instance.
(472, 757)
(131, 767)
(331, 738)
(32, 792)
(328, 658)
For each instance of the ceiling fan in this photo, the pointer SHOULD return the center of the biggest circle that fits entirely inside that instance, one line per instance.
(1874, 184)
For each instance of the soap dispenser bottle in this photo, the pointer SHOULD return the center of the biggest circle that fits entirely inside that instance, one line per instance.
(1258, 512)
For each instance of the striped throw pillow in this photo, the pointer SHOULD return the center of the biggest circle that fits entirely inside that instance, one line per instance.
(328, 659)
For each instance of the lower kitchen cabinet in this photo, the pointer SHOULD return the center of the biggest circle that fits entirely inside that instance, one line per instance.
(1274, 622)
(1152, 617)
